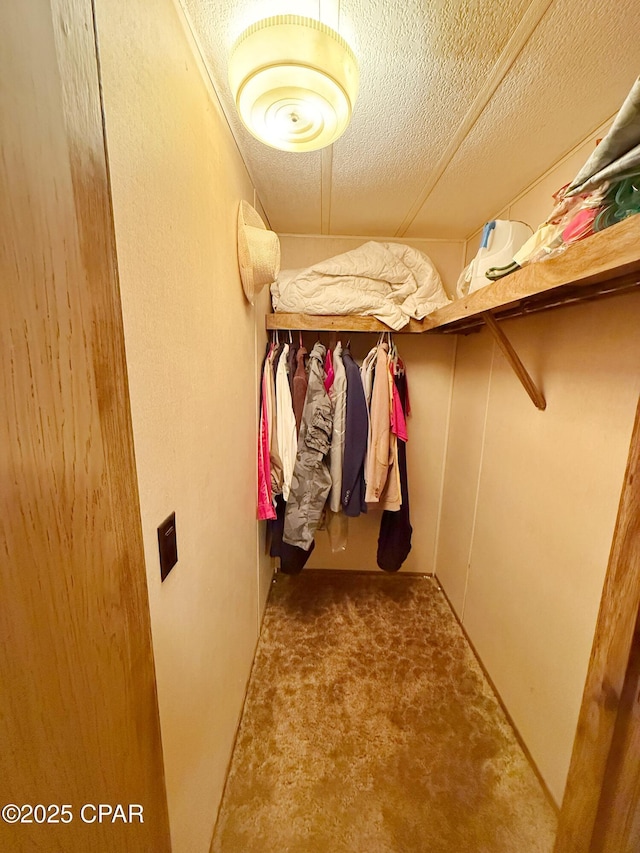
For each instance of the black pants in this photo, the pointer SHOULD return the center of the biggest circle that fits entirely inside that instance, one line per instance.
(394, 540)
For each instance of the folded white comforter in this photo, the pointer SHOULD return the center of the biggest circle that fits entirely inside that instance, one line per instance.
(388, 281)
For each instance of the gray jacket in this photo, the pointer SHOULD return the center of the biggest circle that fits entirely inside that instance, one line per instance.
(311, 479)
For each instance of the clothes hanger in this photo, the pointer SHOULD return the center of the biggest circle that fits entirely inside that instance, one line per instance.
(393, 349)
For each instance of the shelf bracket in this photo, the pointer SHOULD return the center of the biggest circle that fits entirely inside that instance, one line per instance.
(512, 357)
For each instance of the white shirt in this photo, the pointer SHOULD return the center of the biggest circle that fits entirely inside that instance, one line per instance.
(285, 423)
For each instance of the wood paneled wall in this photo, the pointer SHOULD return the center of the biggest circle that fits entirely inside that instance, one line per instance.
(78, 708)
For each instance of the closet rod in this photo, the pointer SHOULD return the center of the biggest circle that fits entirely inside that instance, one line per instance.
(512, 357)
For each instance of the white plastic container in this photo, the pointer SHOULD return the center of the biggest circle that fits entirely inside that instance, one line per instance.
(501, 239)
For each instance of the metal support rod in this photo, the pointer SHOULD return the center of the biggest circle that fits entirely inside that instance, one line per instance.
(512, 357)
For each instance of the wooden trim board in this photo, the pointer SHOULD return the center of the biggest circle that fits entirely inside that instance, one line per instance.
(617, 827)
(537, 398)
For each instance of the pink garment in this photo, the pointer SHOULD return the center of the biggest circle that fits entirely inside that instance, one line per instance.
(398, 421)
(328, 369)
(265, 500)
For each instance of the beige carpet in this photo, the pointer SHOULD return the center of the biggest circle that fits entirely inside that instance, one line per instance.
(370, 728)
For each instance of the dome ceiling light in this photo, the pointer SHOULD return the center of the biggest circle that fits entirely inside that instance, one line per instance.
(294, 81)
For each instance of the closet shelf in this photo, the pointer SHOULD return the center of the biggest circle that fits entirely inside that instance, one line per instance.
(602, 265)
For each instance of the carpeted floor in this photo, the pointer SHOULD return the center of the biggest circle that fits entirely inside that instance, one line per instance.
(370, 728)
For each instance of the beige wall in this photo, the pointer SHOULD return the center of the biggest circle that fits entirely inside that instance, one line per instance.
(430, 372)
(535, 203)
(191, 348)
(530, 497)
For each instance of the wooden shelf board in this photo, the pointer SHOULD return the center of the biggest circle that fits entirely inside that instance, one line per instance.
(602, 265)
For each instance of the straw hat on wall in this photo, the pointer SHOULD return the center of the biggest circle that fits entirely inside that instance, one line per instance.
(258, 251)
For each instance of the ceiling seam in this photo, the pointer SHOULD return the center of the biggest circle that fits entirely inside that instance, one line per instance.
(196, 46)
(326, 179)
(329, 13)
(519, 38)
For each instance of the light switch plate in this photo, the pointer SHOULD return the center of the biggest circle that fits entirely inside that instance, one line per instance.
(168, 545)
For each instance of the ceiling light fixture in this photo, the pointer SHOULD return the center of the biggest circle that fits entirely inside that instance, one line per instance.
(294, 81)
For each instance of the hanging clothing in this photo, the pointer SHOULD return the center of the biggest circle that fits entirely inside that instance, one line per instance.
(401, 384)
(292, 559)
(338, 395)
(311, 479)
(366, 373)
(378, 454)
(355, 440)
(272, 417)
(300, 383)
(398, 420)
(275, 357)
(286, 422)
(394, 540)
(328, 369)
(391, 496)
(336, 524)
(291, 365)
(265, 497)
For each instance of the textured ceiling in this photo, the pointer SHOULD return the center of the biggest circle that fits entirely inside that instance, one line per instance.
(462, 104)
